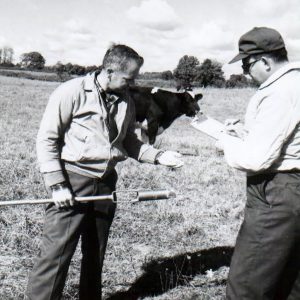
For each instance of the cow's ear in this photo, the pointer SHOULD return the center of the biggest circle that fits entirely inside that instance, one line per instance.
(198, 97)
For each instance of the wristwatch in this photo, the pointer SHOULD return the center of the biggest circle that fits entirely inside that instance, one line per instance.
(58, 186)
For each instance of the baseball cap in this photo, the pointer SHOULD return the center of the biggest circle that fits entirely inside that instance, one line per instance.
(258, 40)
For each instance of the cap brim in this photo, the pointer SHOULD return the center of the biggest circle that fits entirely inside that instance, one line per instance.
(238, 57)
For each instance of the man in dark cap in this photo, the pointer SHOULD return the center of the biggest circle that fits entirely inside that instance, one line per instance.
(266, 261)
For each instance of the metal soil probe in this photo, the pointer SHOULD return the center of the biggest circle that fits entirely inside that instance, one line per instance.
(131, 196)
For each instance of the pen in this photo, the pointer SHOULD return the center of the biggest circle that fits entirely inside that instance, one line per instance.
(230, 122)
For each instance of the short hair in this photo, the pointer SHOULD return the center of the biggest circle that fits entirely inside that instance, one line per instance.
(118, 56)
(278, 56)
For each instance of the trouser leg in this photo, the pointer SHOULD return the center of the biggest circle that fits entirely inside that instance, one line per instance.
(94, 240)
(61, 233)
(60, 237)
(289, 283)
(295, 289)
(266, 240)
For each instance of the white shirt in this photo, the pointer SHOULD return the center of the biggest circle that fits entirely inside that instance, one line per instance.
(272, 141)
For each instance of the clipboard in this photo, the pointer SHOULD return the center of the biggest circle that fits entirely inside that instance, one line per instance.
(208, 125)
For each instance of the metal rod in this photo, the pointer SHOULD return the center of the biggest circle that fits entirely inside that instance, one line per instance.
(155, 195)
(144, 195)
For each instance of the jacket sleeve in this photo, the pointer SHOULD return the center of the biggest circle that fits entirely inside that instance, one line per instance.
(55, 120)
(136, 148)
(263, 144)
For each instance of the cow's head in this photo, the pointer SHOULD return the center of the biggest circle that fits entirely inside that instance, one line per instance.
(189, 103)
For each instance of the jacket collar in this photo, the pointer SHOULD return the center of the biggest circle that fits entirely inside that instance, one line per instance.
(89, 84)
(89, 81)
(279, 73)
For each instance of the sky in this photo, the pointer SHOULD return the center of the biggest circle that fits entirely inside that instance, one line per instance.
(162, 31)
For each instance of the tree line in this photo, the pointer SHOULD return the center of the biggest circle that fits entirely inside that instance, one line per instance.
(189, 72)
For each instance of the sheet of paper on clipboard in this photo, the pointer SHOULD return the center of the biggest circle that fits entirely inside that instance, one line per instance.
(208, 126)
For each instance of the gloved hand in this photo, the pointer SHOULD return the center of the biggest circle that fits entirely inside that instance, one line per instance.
(170, 159)
(62, 196)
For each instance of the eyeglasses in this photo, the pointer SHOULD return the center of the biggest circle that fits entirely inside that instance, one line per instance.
(247, 66)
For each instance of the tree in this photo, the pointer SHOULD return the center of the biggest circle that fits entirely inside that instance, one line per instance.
(150, 75)
(6, 56)
(90, 69)
(77, 70)
(237, 81)
(167, 75)
(186, 70)
(60, 69)
(68, 68)
(32, 61)
(210, 74)
(240, 81)
(72, 69)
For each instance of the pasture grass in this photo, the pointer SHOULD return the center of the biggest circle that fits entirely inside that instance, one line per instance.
(33, 75)
(169, 249)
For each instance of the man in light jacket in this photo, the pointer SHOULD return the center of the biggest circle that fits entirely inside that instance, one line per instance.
(266, 260)
(87, 128)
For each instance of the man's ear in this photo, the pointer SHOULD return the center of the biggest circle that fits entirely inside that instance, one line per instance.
(109, 73)
(267, 63)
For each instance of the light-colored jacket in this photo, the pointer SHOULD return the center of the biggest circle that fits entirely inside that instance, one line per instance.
(272, 123)
(74, 129)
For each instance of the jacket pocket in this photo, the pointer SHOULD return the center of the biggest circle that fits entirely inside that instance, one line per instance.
(94, 148)
(74, 142)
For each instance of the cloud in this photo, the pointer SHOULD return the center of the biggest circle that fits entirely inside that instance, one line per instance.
(268, 8)
(76, 40)
(162, 50)
(210, 36)
(162, 31)
(289, 24)
(154, 14)
(3, 41)
(76, 26)
(72, 30)
(72, 41)
(293, 47)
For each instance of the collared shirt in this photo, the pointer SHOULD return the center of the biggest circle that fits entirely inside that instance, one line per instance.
(109, 102)
(272, 139)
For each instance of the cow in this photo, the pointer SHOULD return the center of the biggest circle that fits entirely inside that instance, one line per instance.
(159, 108)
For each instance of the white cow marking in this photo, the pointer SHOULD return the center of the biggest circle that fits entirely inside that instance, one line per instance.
(154, 90)
(192, 94)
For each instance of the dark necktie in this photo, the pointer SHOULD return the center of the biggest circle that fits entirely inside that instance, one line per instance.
(112, 109)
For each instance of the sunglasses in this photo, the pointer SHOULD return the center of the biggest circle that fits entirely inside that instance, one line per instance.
(247, 66)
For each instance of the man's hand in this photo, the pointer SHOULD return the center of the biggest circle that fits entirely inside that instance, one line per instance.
(234, 127)
(170, 159)
(62, 197)
(220, 147)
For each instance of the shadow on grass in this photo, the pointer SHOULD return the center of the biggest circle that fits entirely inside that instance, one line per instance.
(164, 274)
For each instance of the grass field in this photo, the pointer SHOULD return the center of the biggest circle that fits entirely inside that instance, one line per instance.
(33, 75)
(173, 249)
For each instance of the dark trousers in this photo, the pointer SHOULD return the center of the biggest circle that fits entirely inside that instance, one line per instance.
(266, 260)
(62, 230)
